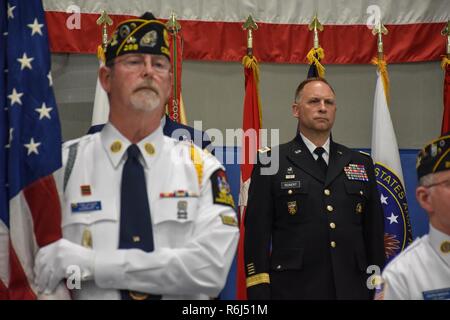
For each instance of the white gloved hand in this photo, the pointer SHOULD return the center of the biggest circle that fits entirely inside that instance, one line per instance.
(52, 262)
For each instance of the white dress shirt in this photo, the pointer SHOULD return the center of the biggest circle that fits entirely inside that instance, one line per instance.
(422, 271)
(193, 252)
(311, 147)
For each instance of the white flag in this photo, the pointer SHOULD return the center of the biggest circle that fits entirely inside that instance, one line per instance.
(384, 141)
(101, 105)
(388, 172)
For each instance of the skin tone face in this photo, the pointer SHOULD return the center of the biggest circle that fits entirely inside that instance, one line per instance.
(434, 197)
(315, 109)
(138, 87)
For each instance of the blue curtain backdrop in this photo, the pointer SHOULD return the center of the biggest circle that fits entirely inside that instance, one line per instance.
(419, 220)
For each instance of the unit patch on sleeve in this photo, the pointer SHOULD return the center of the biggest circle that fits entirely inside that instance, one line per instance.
(221, 189)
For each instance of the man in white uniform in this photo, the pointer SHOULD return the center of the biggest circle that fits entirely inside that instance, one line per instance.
(422, 271)
(144, 216)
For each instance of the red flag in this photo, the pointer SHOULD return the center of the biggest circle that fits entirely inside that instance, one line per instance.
(446, 116)
(251, 126)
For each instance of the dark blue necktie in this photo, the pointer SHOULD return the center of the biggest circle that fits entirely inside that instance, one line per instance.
(320, 160)
(135, 220)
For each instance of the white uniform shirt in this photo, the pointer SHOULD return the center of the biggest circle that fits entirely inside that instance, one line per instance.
(193, 252)
(421, 271)
(311, 147)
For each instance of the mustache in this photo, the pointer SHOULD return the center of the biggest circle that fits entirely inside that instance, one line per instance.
(146, 85)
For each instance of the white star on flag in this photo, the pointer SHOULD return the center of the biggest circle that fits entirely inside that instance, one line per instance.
(25, 61)
(15, 97)
(384, 199)
(35, 27)
(392, 218)
(32, 146)
(10, 11)
(44, 112)
(50, 79)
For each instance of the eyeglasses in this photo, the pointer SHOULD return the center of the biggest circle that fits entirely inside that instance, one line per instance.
(445, 183)
(137, 63)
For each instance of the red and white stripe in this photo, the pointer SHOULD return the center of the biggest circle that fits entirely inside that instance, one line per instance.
(35, 221)
(212, 29)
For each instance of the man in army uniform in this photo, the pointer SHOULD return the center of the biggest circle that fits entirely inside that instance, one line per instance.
(422, 271)
(144, 216)
(313, 228)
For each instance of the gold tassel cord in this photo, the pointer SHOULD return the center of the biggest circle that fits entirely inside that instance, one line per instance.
(101, 53)
(252, 62)
(315, 56)
(382, 68)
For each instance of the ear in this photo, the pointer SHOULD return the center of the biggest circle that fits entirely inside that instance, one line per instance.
(424, 198)
(104, 75)
(296, 110)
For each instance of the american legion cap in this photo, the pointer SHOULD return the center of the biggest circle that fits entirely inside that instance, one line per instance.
(145, 34)
(434, 157)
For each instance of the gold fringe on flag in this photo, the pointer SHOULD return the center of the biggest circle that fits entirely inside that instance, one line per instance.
(252, 62)
(315, 56)
(382, 68)
(101, 54)
(183, 119)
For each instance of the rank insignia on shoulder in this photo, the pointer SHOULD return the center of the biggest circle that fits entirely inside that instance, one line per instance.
(356, 172)
(221, 189)
(264, 149)
(229, 220)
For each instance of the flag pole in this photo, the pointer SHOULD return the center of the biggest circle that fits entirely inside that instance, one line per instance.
(250, 26)
(104, 20)
(174, 27)
(316, 26)
(251, 121)
(386, 157)
(249, 60)
(445, 65)
(379, 30)
(316, 54)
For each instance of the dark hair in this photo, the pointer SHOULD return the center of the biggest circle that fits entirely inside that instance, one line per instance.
(306, 81)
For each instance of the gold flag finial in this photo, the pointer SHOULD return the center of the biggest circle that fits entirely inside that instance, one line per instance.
(446, 33)
(379, 30)
(172, 24)
(316, 26)
(250, 25)
(105, 21)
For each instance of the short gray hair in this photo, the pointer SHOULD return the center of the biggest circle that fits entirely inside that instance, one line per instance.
(426, 180)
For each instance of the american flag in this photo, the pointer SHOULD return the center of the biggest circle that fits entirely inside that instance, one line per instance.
(30, 136)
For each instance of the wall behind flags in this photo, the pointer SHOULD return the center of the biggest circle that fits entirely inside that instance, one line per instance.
(214, 91)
